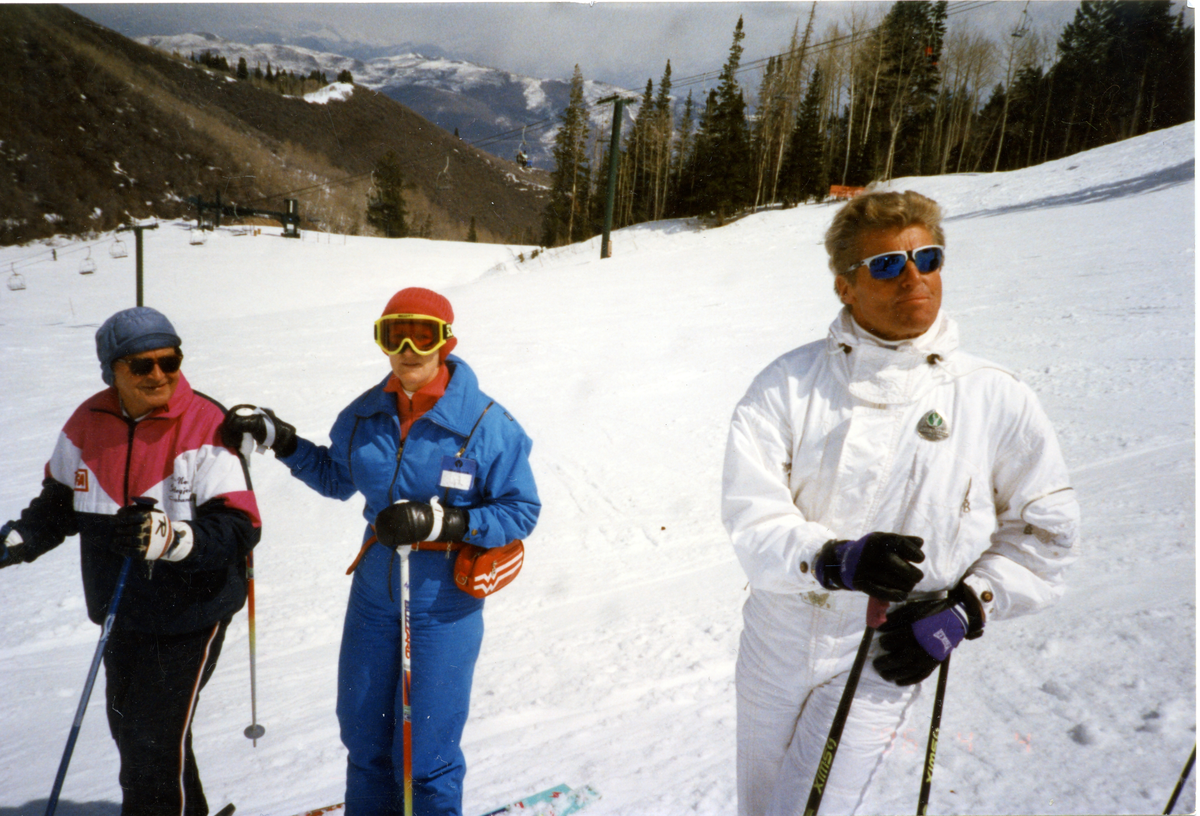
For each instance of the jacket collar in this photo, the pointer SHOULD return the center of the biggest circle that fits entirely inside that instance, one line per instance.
(891, 373)
(109, 402)
(455, 411)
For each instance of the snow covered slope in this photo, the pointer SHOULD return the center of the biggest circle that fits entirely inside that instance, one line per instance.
(610, 660)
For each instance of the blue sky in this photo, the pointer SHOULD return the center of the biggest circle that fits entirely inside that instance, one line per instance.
(617, 42)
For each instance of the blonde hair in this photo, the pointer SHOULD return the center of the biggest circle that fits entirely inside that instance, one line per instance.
(874, 211)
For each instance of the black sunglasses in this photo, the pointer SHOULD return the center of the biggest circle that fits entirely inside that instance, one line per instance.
(141, 366)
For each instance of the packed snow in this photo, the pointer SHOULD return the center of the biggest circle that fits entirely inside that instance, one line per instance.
(610, 660)
(333, 92)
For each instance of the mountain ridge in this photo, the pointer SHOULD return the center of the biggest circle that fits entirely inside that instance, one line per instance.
(500, 110)
(112, 130)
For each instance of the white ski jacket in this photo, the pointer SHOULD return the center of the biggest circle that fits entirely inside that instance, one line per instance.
(850, 435)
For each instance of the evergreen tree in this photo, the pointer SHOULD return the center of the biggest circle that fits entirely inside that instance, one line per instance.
(663, 125)
(565, 218)
(803, 177)
(386, 210)
(721, 164)
(681, 187)
(913, 33)
(637, 195)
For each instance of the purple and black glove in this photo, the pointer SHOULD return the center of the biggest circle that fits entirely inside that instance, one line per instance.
(920, 635)
(879, 564)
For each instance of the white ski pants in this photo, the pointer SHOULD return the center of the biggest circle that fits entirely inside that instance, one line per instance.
(793, 661)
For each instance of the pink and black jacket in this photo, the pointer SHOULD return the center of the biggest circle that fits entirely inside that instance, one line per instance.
(103, 461)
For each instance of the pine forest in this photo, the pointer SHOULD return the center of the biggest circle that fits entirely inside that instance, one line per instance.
(887, 93)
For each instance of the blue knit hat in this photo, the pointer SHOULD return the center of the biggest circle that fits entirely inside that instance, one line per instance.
(131, 332)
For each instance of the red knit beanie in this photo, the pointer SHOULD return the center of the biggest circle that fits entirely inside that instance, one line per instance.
(415, 300)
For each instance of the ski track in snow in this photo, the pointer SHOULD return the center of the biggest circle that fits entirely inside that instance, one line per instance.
(610, 660)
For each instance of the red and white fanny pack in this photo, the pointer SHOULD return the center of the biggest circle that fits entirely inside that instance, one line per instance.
(480, 571)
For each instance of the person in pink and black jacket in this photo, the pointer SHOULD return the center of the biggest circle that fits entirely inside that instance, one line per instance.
(140, 472)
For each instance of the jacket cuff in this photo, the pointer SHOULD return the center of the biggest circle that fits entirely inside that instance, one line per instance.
(977, 597)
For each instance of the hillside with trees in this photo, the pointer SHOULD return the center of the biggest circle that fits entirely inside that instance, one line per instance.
(98, 129)
(890, 93)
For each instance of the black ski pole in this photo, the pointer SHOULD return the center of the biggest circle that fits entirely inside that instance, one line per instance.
(1187, 769)
(935, 724)
(876, 614)
(254, 731)
(105, 631)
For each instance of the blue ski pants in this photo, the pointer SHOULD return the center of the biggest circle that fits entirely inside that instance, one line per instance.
(447, 631)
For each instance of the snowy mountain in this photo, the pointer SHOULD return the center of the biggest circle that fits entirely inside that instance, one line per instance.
(485, 105)
(610, 659)
(145, 133)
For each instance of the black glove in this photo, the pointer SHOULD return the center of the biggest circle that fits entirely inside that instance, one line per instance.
(920, 635)
(144, 531)
(264, 427)
(10, 549)
(879, 564)
(44, 524)
(406, 522)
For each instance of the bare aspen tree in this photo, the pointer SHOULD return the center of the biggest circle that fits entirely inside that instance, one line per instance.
(1019, 55)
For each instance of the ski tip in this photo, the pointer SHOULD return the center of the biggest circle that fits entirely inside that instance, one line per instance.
(328, 810)
(561, 800)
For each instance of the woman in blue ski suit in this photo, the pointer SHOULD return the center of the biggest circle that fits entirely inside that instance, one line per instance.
(443, 464)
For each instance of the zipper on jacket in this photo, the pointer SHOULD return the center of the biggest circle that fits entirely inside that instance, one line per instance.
(129, 458)
(399, 455)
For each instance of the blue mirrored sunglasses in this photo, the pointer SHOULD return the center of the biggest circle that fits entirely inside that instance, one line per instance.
(889, 265)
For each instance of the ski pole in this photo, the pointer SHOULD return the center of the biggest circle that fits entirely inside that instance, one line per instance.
(1187, 769)
(406, 679)
(105, 631)
(253, 731)
(935, 724)
(876, 615)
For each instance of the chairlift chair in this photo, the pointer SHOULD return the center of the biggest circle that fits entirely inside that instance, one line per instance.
(15, 281)
(442, 182)
(118, 250)
(523, 150)
(88, 266)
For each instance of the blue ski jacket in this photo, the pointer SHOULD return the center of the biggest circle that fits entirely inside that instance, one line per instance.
(490, 476)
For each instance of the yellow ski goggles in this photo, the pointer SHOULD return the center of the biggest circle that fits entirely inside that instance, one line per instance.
(424, 334)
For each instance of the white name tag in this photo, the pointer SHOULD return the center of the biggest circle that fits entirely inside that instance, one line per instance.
(458, 474)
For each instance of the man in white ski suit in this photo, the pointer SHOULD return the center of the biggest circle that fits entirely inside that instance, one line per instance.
(876, 449)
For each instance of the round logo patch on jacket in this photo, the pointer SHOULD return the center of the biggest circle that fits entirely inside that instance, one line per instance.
(933, 427)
